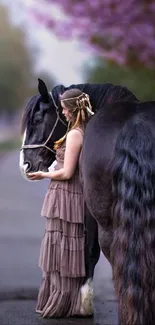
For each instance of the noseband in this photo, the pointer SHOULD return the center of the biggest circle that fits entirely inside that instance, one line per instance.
(44, 145)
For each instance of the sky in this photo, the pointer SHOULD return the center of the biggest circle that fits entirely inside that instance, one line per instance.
(63, 59)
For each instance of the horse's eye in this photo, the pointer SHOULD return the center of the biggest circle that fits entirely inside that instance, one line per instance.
(37, 119)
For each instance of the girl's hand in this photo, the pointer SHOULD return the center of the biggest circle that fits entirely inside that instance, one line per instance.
(36, 176)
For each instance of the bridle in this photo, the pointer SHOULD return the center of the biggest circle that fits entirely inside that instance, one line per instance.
(44, 145)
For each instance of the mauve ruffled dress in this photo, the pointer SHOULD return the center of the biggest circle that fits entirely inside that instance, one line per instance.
(62, 250)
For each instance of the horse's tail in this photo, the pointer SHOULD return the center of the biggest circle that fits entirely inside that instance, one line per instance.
(133, 246)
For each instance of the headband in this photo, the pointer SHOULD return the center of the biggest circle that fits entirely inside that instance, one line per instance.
(88, 108)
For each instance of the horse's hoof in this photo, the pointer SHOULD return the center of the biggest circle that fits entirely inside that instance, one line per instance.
(87, 307)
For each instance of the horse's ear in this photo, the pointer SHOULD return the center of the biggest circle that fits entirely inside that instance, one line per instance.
(43, 91)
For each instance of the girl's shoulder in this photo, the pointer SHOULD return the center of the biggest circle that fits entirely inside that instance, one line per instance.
(75, 136)
(76, 131)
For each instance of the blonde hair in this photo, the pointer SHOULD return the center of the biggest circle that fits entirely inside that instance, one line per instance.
(78, 104)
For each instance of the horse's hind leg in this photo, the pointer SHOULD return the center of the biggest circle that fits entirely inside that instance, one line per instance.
(92, 253)
(92, 248)
(105, 236)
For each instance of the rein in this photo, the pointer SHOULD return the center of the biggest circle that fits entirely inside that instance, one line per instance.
(44, 145)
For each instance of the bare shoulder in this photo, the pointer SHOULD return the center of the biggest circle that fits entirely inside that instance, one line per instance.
(75, 135)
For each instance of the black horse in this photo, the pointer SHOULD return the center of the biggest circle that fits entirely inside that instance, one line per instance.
(118, 173)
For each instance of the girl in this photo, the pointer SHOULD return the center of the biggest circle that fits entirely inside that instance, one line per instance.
(62, 257)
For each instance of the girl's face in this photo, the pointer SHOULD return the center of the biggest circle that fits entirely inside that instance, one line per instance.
(66, 112)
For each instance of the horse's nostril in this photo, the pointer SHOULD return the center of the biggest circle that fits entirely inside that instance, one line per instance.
(28, 166)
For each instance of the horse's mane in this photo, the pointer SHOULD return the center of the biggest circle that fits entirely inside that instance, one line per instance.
(29, 112)
(107, 93)
(119, 94)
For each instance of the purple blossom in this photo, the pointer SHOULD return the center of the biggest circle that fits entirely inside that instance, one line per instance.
(123, 31)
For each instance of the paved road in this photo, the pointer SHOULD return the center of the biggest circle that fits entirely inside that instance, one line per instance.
(21, 231)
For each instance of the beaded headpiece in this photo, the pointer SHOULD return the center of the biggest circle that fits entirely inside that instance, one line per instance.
(82, 102)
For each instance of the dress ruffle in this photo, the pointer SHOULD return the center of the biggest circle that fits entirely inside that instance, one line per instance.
(62, 203)
(62, 253)
(63, 299)
(62, 247)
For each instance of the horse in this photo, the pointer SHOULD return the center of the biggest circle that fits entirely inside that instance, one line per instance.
(43, 124)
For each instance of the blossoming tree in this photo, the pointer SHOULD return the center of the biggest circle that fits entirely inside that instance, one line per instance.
(121, 31)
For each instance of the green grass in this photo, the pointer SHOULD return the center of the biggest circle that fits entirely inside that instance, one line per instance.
(9, 145)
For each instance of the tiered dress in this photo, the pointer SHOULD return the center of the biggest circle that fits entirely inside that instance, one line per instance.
(62, 250)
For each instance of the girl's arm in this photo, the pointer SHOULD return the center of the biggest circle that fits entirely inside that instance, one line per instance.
(73, 147)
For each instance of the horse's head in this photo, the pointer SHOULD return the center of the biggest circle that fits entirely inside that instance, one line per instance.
(42, 124)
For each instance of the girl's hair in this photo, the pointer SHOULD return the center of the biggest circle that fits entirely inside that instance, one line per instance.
(79, 106)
